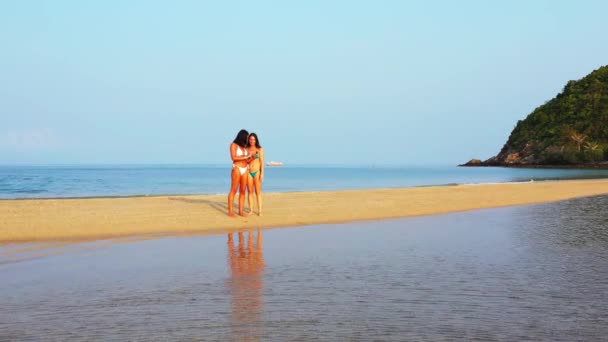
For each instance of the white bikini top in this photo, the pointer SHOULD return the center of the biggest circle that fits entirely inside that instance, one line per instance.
(240, 152)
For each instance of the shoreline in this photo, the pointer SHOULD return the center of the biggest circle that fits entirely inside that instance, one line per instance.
(556, 179)
(595, 166)
(70, 219)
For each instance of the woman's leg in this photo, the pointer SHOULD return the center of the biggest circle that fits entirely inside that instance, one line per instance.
(250, 191)
(258, 192)
(233, 187)
(243, 185)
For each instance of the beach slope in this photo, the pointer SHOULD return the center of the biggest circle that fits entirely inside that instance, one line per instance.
(94, 218)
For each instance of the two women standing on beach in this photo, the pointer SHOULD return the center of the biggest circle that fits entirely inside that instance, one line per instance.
(247, 171)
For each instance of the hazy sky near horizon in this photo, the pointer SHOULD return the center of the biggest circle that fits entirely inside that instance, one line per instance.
(321, 82)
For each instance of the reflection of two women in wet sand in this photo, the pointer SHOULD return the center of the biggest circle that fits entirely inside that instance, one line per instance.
(246, 261)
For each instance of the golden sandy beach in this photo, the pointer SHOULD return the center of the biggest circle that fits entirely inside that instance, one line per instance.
(94, 218)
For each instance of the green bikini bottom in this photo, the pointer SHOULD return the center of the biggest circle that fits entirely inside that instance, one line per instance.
(253, 173)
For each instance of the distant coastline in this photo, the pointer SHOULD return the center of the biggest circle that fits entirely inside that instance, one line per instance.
(586, 166)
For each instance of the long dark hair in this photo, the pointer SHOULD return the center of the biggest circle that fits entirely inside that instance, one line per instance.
(241, 138)
(257, 140)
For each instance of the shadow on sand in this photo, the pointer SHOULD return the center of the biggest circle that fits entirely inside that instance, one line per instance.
(222, 208)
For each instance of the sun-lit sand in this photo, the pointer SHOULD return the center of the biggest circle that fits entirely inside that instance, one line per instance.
(82, 219)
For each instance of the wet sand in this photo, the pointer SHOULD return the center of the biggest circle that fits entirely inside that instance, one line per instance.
(522, 273)
(95, 218)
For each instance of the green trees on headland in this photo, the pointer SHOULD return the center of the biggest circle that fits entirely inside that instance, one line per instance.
(571, 128)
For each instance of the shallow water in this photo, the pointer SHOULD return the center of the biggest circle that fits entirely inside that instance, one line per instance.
(521, 273)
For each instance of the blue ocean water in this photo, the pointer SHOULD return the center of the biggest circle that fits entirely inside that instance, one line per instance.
(145, 180)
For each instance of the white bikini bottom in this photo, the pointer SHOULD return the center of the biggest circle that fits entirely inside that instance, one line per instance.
(242, 170)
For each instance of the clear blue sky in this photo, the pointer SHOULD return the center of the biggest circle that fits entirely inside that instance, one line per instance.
(321, 82)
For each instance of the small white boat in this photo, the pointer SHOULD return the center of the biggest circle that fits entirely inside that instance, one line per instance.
(274, 163)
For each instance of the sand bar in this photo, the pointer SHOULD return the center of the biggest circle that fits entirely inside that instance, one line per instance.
(94, 218)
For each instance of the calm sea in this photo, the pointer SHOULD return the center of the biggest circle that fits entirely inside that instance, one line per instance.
(93, 181)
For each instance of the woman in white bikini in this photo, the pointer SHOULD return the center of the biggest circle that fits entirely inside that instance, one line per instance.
(256, 171)
(240, 167)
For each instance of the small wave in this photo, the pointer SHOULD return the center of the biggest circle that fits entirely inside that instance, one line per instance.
(506, 182)
(29, 191)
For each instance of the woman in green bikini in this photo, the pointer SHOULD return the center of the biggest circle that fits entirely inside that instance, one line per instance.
(256, 171)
